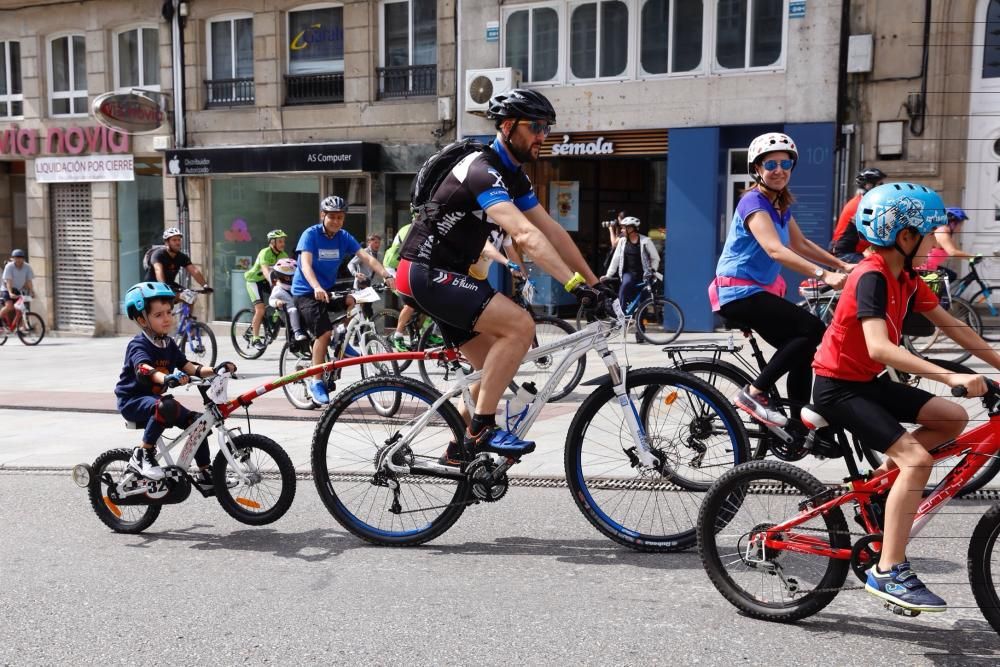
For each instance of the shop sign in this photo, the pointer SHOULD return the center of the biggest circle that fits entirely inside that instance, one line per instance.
(128, 112)
(84, 169)
(28, 142)
(345, 156)
(596, 147)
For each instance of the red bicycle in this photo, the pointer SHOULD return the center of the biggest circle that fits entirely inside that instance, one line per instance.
(28, 326)
(774, 541)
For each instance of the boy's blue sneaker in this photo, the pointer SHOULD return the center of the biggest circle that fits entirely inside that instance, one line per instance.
(902, 587)
(350, 351)
(499, 441)
(319, 394)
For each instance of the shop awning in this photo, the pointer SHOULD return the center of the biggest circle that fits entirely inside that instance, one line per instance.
(279, 158)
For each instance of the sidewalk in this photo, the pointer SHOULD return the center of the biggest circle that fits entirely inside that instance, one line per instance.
(58, 408)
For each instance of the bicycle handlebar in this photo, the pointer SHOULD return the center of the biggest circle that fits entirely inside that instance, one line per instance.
(991, 388)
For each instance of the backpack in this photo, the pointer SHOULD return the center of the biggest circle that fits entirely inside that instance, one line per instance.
(437, 167)
(147, 263)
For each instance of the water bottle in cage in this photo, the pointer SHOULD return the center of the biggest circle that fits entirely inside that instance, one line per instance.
(517, 406)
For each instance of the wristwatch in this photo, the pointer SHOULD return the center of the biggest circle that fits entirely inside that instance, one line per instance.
(818, 272)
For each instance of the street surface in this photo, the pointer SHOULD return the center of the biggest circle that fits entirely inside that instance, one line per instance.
(525, 580)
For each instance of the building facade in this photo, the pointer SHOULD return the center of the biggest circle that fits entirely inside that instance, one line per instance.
(284, 103)
(657, 102)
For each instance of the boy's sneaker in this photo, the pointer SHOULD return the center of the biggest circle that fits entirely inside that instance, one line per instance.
(350, 351)
(319, 394)
(902, 587)
(204, 479)
(143, 461)
(300, 336)
(258, 343)
(759, 408)
(398, 342)
(499, 441)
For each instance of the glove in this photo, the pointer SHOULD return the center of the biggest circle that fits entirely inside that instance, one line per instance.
(226, 365)
(594, 301)
(609, 292)
(175, 379)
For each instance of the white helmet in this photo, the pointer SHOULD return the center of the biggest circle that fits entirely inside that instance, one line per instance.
(171, 232)
(769, 143)
(630, 221)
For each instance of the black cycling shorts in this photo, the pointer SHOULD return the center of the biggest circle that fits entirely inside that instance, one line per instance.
(453, 300)
(872, 411)
(316, 314)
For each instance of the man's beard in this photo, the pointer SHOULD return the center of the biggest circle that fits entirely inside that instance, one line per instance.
(522, 155)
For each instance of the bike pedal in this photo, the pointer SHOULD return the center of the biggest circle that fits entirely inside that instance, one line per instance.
(818, 499)
(900, 611)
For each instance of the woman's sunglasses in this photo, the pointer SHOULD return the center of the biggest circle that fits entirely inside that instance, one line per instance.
(538, 127)
(771, 165)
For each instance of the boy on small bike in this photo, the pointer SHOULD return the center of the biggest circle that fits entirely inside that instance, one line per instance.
(153, 362)
(281, 295)
(897, 219)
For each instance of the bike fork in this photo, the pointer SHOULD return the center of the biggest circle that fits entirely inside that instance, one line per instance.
(639, 437)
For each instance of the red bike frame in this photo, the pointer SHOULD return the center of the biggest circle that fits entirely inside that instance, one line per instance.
(979, 445)
(18, 316)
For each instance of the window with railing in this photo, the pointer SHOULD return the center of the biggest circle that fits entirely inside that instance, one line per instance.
(230, 62)
(409, 49)
(137, 58)
(67, 66)
(315, 55)
(11, 95)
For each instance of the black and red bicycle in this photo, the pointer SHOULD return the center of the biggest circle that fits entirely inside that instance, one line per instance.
(774, 540)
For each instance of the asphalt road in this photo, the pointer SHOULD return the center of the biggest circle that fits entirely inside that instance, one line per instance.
(526, 580)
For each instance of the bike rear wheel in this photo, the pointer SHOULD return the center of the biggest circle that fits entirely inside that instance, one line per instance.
(984, 566)
(31, 330)
(694, 433)
(435, 372)
(349, 436)
(296, 392)
(387, 405)
(775, 584)
(198, 344)
(658, 321)
(270, 488)
(241, 333)
(986, 303)
(130, 519)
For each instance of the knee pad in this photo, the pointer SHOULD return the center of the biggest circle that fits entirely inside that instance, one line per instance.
(168, 411)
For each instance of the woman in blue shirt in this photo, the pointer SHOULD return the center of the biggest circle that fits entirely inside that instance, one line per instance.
(763, 238)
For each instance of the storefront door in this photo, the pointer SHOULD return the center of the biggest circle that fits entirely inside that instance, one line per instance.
(73, 246)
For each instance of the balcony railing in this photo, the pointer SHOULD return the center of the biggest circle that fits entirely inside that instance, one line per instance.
(415, 81)
(314, 88)
(229, 92)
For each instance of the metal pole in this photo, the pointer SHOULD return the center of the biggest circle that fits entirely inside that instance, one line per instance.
(177, 49)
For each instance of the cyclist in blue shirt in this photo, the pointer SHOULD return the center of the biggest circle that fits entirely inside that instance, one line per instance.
(320, 251)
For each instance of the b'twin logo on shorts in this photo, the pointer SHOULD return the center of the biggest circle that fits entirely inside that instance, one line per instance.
(455, 279)
(442, 278)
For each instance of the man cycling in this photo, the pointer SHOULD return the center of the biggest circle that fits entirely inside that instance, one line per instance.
(16, 281)
(488, 192)
(258, 279)
(320, 250)
(166, 262)
(847, 245)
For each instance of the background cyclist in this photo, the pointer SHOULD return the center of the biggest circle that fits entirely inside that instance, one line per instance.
(166, 262)
(15, 281)
(946, 243)
(846, 243)
(320, 250)
(258, 279)
(862, 340)
(763, 238)
(635, 258)
(484, 193)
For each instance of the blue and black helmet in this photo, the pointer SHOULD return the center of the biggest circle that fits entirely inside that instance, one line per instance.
(138, 296)
(888, 209)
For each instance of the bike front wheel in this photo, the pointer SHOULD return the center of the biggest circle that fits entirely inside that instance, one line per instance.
(385, 404)
(347, 444)
(268, 489)
(385, 322)
(986, 303)
(31, 331)
(241, 333)
(658, 321)
(296, 392)
(106, 472)
(984, 566)
(198, 344)
(938, 343)
(692, 431)
(767, 583)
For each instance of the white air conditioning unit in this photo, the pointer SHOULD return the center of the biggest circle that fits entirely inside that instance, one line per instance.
(482, 84)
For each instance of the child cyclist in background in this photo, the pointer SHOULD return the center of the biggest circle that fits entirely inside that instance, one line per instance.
(153, 360)
(897, 219)
(281, 295)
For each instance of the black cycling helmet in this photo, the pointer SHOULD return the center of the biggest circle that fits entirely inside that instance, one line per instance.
(869, 176)
(521, 104)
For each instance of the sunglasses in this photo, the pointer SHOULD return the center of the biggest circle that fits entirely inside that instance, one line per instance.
(538, 127)
(771, 165)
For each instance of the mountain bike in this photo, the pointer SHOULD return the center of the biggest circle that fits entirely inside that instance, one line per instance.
(29, 326)
(985, 301)
(195, 339)
(639, 453)
(735, 371)
(657, 319)
(774, 541)
(254, 478)
(359, 336)
(241, 330)
(547, 330)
